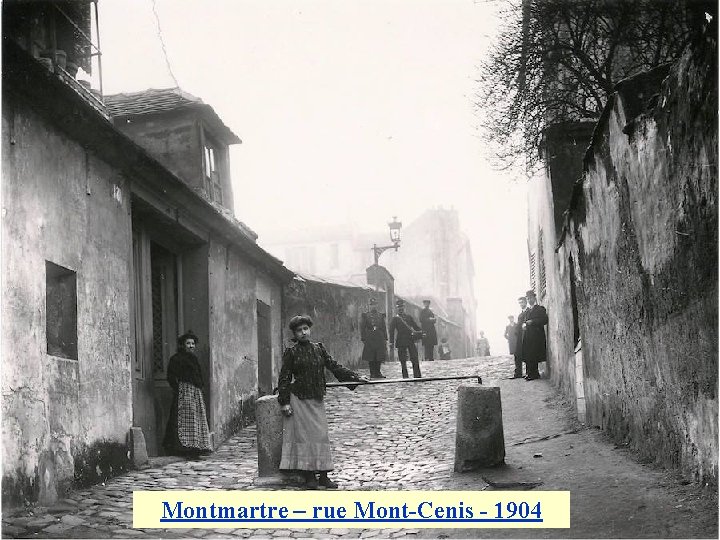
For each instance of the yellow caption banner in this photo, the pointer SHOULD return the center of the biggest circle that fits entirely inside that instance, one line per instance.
(351, 509)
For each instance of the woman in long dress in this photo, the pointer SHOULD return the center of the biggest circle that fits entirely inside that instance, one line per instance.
(187, 433)
(301, 386)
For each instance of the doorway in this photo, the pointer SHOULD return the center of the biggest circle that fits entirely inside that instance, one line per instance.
(157, 275)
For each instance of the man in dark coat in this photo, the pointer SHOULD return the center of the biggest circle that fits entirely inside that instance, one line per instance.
(427, 323)
(373, 333)
(519, 338)
(533, 340)
(407, 332)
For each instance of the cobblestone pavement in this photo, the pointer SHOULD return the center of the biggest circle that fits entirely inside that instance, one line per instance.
(395, 437)
(388, 437)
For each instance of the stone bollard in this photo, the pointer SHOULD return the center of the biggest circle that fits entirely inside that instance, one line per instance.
(479, 440)
(269, 436)
(138, 449)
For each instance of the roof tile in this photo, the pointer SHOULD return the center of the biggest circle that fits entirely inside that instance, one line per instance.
(150, 101)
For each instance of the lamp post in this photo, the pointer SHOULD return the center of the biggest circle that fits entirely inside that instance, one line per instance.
(395, 227)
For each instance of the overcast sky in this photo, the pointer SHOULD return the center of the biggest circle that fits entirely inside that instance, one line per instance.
(350, 112)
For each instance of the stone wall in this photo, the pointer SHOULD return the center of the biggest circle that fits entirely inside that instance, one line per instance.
(64, 419)
(335, 310)
(644, 238)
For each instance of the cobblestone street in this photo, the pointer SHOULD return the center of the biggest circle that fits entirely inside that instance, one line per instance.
(401, 437)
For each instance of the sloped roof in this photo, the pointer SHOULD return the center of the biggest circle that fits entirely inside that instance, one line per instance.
(161, 100)
(150, 101)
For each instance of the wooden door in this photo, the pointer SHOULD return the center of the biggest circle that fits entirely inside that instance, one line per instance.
(164, 300)
(143, 379)
(155, 308)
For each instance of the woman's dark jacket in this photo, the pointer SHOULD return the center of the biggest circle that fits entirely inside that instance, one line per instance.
(303, 372)
(184, 367)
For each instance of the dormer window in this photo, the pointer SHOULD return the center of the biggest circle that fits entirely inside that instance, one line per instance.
(213, 186)
(183, 133)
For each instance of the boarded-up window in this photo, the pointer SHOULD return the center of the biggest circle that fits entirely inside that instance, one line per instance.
(61, 311)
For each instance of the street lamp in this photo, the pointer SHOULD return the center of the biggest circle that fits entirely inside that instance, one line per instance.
(395, 227)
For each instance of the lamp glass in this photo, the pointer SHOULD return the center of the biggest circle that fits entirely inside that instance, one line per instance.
(395, 230)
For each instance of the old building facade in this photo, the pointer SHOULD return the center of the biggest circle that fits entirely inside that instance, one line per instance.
(111, 248)
(623, 250)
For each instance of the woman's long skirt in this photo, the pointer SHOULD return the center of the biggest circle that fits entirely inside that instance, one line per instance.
(187, 429)
(306, 445)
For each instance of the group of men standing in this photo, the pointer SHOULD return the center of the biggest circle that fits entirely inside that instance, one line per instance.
(404, 332)
(526, 337)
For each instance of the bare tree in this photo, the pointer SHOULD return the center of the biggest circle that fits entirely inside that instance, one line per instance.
(558, 60)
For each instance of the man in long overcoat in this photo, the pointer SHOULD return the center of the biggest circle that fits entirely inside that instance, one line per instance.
(534, 348)
(373, 333)
(427, 323)
(407, 329)
(522, 301)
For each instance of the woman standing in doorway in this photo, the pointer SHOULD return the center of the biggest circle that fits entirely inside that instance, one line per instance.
(301, 386)
(187, 432)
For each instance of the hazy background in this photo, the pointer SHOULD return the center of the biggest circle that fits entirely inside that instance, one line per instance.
(350, 112)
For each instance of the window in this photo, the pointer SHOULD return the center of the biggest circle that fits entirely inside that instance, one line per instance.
(61, 311)
(213, 185)
(542, 283)
(533, 281)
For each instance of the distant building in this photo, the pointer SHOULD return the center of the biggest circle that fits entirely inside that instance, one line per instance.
(434, 261)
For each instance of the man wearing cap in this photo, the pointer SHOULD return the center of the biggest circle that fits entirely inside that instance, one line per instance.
(373, 333)
(533, 336)
(427, 322)
(522, 301)
(407, 333)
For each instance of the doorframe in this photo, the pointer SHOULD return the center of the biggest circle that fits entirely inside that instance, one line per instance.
(144, 376)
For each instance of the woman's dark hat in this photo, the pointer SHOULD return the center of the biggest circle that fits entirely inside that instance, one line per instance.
(400, 303)
(298, 320)
(188, 335)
